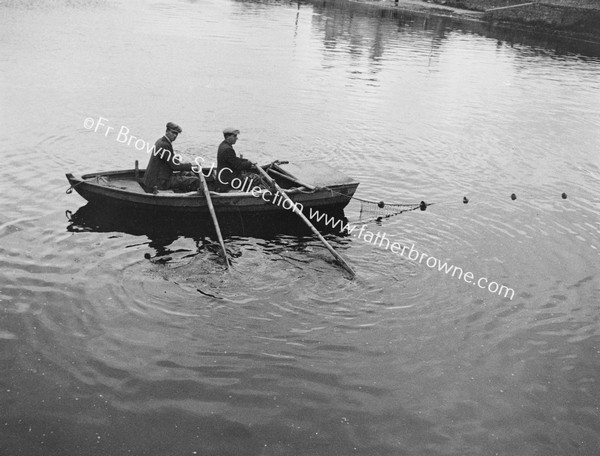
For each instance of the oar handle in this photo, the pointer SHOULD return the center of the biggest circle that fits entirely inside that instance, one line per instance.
(293, 180)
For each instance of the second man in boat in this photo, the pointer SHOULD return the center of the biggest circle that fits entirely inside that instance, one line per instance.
(232, 169)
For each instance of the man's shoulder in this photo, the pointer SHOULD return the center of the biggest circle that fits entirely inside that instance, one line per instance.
(164, 143)
(225, 147)
(224, 144)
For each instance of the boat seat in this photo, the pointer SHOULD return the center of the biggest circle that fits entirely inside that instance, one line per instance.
(140, 181)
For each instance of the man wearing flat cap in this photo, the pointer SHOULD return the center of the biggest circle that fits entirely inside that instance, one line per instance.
(229, 165)
(165, 170)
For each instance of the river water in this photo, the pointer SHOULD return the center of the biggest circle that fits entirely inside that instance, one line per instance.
(104, 351)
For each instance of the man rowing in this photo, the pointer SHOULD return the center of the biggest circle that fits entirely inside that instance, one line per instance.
(231, 168)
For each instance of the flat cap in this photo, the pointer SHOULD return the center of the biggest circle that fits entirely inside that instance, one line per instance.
(174, 127)
(231, 131)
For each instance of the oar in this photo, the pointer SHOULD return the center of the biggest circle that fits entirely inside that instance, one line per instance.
(303, 217)
(292, 179)
(214, 216)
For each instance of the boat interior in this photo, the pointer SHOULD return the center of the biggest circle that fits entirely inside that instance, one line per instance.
(304, 176)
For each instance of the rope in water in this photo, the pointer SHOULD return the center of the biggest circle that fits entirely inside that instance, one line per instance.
(381, 204)
(422, 205)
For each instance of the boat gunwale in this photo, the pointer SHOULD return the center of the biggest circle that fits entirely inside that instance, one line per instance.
(166, 200)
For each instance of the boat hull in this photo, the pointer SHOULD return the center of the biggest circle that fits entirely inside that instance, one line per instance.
(121, 189)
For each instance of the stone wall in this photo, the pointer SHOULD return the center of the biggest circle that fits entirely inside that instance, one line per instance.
(483, 5)
(581, 17)
(479, 5)
(576, 20)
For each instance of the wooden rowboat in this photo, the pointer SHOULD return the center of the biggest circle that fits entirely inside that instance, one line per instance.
(308, 184)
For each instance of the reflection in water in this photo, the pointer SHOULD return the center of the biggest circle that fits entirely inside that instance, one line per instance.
(101, 218)
(341, 20)
(360, 26)
(164, 230)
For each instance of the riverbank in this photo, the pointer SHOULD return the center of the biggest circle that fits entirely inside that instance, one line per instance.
(574, 19)
(579, 18)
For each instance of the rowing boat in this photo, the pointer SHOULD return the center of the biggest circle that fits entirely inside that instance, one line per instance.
(311, 184)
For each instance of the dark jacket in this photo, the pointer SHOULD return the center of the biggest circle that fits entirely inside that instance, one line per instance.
(229, 166)
(161, 166)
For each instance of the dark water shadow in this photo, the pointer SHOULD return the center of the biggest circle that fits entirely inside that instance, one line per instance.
(104, 219)
(164, 230)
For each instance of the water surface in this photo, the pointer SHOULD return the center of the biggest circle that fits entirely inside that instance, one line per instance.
(104, 351)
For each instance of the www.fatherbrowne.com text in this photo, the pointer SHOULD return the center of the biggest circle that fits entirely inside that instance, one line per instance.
(381, 240)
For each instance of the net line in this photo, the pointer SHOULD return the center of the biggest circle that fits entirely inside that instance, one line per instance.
(379, 209)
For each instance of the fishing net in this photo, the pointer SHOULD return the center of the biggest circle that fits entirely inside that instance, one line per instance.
(380, 210)
(377, 210)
